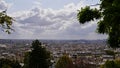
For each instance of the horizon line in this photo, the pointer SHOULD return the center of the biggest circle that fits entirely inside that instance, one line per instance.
(53, 39)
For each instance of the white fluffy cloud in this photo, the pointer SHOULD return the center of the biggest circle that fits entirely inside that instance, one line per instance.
(41, 23)
(4, 5)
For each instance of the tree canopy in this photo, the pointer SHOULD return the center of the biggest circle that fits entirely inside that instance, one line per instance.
(39, 57)
(64, 62)
(6, 63)
(6, 22)
(109, 19)
(111, 64)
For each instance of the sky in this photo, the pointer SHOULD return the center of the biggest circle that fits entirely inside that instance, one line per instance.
(49, 19)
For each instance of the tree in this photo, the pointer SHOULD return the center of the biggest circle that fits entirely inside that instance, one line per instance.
(64, 62)
(6, 22)
(109, 19)
(6, 63)
(26, 60)
(109, 52)
(111, 64)
(117, 62)
(15, 64)
(39, 57)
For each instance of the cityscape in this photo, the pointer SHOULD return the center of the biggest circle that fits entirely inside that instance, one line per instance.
(59, 33)
(92, 52)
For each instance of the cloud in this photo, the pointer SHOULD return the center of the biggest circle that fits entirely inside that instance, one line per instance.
(4, 5)
(48, 23)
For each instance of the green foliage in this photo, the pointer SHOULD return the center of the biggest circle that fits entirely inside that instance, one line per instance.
(111, 64)
(6, 66)
(6, 63)
(26, 60)
(109, 22)
(109, 52)
(64, 62)
(39, 57)
(86, 14)
(117, 62)
(6, 22)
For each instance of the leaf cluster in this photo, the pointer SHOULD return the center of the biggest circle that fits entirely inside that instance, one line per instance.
(86, 14)
(6, 22)
(6, 63)
(109, 19)
(111, 64)
(64, 62)
(109, 52)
